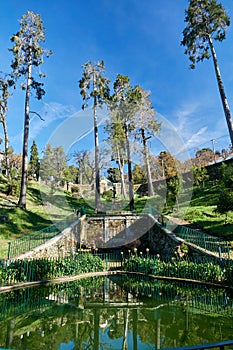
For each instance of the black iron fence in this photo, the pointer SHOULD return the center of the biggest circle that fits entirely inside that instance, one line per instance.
(35, 239)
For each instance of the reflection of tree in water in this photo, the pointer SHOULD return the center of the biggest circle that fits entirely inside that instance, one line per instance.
(99, 311)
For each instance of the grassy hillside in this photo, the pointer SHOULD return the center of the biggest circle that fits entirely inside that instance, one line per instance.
(45, 208)
(200, 212)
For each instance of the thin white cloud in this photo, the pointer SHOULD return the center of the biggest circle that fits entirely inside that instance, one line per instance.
(192, 125)
(197, 138)
(50, 113)
(185, 117)
(197, 127)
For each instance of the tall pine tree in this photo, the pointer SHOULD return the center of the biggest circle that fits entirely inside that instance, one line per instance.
(94, 85)
(28, 54)
(207, 21)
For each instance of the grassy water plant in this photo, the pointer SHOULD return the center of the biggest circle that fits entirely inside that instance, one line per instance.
(43, 269)
(206, 271)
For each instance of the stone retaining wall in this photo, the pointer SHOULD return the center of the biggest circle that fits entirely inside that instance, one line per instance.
(61, 245)
(158, 239)
(164, 242)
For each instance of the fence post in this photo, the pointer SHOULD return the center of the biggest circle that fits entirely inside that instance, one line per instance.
(106, 261)
(220, 255)
(9, 250)
(205, 243)
(122, 260)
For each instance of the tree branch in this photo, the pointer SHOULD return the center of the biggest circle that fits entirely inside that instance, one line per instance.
(38, 115)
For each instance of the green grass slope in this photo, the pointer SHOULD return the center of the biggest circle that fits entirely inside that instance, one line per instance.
(200, 212)
(46, 207)
(43, 209)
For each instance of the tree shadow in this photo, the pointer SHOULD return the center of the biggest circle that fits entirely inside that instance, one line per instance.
(37, 195)
(20, 222)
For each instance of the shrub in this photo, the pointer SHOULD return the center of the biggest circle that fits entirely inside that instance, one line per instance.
(108, 195)
(75, 189)
(12, 188)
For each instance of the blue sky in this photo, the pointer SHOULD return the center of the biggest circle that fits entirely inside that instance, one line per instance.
(134, 38)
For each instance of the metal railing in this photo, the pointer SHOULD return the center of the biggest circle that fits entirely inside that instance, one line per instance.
(217, 245)
(194, 269)
(199, 238)
(219, 345)
(35, 239)
(204, 240)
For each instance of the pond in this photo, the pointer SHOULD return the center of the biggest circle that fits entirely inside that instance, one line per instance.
(115, 312)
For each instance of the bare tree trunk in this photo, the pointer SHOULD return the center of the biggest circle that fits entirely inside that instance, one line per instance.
(23, 189)
(97, 169)
(96, 329)
(119, 158)
(222, 91)
(131, 192)
(6, 142)
(126, 326)
(135, 330)
(4, 109)
(10, 333)
(148, 172)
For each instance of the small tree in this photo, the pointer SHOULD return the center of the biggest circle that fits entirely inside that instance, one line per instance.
(71, 174)
(174, 187)
(114, 175)
(86, 167)
(226, 176)
(34, 164)
(225, 203)
(46, 171)
(225, 200)
(169, 164)
(200, 176)
(53, 164)
(139, 174)
(28, 53)
(15, 168)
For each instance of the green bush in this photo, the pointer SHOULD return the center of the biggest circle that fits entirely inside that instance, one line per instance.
(108, 195)
(75, 189)
(12, 188)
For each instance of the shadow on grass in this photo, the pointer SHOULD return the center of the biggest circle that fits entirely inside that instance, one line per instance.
(36, 195)
(203, 196)
(213, 227)
(20, 222)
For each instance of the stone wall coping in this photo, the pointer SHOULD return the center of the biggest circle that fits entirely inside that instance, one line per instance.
(52, 240)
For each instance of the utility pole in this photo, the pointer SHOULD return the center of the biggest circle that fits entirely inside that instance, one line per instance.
(213, 146)
(163, 169)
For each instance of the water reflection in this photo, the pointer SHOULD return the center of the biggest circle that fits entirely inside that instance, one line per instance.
(114, 313)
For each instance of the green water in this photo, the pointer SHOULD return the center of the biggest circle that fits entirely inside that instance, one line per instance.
(114, 313)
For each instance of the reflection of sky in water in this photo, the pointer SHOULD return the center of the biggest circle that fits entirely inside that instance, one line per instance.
(113, 344)
(69, 346)
(117, 343)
